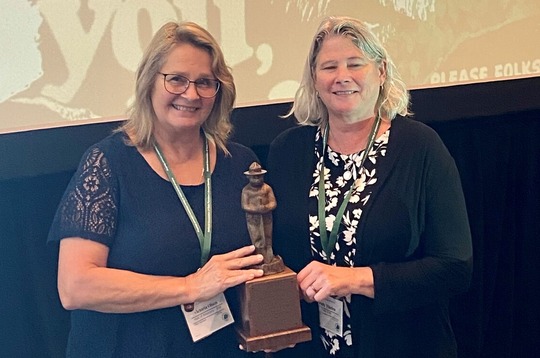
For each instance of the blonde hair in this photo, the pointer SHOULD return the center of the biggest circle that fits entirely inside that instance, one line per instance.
(393, 97)
(140, 123)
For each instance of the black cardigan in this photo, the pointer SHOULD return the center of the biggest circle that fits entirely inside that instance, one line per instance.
(413, 233)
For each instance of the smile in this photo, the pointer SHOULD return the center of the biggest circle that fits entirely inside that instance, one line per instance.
(184, 108)
(341, 93)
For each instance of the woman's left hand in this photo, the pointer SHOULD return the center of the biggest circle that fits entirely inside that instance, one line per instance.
(319, 281)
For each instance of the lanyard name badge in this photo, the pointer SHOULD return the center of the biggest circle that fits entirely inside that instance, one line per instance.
(205, 317)
(331, 309)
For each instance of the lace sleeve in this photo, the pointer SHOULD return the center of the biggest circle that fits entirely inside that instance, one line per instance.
(89, 206)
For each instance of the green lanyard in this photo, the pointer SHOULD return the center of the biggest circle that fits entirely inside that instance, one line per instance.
(329, 244)
(205, 239)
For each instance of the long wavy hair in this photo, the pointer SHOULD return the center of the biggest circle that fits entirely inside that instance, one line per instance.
(140, 123)
(308, 109)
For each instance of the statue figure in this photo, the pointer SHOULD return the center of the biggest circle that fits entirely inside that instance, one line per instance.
(258, 202)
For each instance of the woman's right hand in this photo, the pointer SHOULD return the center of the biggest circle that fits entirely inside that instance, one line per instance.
(318, 281)
(222, 272)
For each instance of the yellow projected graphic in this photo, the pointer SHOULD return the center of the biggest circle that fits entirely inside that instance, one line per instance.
(65, 62)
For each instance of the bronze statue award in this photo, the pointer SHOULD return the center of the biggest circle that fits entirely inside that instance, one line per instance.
(269, 305)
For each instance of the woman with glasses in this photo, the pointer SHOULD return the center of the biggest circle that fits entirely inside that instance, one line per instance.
(370, 210)
(151, 231)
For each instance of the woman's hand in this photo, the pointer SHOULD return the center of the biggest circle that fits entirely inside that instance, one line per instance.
(319, 281)
(222, 272)
(85, 281)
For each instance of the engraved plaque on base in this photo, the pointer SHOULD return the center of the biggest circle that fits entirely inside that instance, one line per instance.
(270, 313)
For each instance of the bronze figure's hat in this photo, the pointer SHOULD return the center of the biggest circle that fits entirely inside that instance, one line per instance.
(255, 169)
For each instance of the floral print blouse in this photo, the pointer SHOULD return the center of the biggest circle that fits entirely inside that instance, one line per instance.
(340, 172)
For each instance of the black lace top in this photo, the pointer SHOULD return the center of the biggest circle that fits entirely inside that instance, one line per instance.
(115, 198)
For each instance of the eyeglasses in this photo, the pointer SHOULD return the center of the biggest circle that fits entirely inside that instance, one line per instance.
(177, 84)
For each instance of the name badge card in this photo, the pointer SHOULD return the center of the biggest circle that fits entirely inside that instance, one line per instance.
(331, 315)
(208, 317)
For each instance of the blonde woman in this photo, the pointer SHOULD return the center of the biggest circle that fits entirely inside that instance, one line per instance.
(370, 208)
(152, 234)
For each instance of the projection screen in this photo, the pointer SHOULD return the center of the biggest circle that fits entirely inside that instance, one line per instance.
(66, 62)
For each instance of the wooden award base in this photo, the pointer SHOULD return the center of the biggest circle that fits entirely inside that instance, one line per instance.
(270, 313)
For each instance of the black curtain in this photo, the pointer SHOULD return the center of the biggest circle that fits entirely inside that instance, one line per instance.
(33, 323)
(499, 163)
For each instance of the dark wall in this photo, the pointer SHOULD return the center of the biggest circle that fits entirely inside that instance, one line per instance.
(490, 129)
